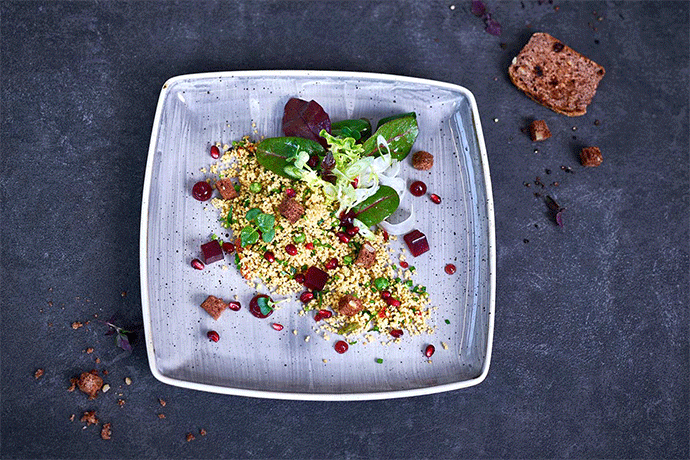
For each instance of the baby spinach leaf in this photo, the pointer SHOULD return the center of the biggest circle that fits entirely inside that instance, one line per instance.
(400, 134)
(377, 207)
(273, 153)
(356, 129)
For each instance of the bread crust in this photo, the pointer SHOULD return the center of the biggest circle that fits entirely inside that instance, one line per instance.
(555, 76)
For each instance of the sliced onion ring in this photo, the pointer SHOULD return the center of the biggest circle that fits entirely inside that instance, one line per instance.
(401, 227)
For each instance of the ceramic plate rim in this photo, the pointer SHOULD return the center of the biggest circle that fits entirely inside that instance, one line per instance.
(305, 396)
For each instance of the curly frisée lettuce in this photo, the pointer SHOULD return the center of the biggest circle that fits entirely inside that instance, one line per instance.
(357, 177)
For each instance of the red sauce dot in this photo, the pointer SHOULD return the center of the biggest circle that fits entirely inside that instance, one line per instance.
(450, 269)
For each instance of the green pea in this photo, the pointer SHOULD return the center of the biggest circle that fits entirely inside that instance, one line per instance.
(347, 260)
(255, 187)
(299, 238)
(381, 283)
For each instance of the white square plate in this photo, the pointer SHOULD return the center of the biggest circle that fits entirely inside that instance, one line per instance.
(251, 359)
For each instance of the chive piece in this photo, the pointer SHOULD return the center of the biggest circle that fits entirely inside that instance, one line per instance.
(379, 360)
(447, 321)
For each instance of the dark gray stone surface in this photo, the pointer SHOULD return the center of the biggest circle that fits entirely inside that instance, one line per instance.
(591, 342)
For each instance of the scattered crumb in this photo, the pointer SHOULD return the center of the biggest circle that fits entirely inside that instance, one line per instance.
(105, 431)
(90, 418)
(105, 388)
(202, 432)
(161, 415)
(71, 418)
(90, 383)
(325, 360)
(128, 381)
(76, 325)
(162, 402)
(89, 350)
(190, 437)
(306, 338)
(98, 360)
(120, 402)
(73, 384)
(294, 331)
(444, 345)
(39, 373)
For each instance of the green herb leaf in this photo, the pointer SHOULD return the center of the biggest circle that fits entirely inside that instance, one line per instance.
(264, 305)
(252, 213)
(379, 360)
(265, 222)
(248, 236)
(268, 235)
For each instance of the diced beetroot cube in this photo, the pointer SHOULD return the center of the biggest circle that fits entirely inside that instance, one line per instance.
(212, 251)
(315, 279)
(417, 242)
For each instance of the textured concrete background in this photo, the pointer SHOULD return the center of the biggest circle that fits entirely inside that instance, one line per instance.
(591, 342)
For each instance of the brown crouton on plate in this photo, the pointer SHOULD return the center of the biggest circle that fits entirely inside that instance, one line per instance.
(291, 209)
(422, 160)
(366, 256)
(539, 131)
(226, 189)
(214, 306)
(349, 305)
(555, 75)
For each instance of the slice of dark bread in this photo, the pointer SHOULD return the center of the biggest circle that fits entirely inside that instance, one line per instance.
(555, 75)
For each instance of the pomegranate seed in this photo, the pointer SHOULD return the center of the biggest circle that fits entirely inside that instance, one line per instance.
(290, 192)
(341, 346)
(450, 269)
(404, 264)
(199, 265)
(355, 182)
(331, 264)
(393, 302)
(346, 218)
(228, 247)
(352, 231)
(429, 351)
(382, 312)
(268, 255)
(213, 336)
(418, 188)
(325, 314)
(306, 296)
(291, 249)
(234, 306)
(344, 238)
(397, 333)
(215, 152)
(385, 294)
(277, 327)
(385, 235)
(300, 278)
(435, 198)
(309, 246)
(202, 191)
(318, 317)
